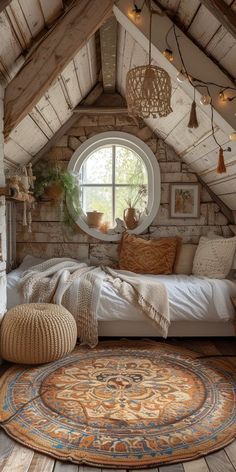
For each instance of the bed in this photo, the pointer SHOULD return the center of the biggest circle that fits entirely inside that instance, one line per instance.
(198, 306)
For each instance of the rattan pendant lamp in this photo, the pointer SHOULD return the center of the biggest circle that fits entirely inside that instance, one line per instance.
(148, 87)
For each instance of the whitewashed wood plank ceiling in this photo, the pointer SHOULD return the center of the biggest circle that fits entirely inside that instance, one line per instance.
(205, 30)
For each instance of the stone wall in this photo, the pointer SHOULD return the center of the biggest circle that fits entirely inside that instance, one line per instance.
(51, 238)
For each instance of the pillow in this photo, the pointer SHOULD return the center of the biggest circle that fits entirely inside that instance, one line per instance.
(214, 257)
(30, 261)
(212, 235)
(155, 256)
(184, 259)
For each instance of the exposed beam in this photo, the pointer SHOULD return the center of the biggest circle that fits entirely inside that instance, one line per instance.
(223, 208)
(108, 41)
(52, 54)
(83, 110)
(4, 4)
(89, 100)
(224, 14)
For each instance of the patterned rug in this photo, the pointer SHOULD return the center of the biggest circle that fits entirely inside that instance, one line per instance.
(128, 404)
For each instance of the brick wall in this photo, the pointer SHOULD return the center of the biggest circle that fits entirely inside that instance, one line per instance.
(51, 238)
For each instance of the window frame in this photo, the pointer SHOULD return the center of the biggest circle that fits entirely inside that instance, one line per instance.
(117, 138)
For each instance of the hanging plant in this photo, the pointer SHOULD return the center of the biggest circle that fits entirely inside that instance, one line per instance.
(59, 186)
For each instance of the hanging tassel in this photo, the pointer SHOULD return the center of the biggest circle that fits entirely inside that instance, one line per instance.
(24, 222)
(193, 123)
(221, 163)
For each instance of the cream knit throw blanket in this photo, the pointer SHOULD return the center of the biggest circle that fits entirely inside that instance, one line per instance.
(71, 284)
(148, 294)
(77, 287)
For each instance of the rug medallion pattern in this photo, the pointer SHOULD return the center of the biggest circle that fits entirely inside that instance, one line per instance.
(123, 404)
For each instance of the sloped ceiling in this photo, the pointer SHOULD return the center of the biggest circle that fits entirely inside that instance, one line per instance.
(22, 22)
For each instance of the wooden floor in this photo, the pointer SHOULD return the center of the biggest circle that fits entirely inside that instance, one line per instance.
(16, 458)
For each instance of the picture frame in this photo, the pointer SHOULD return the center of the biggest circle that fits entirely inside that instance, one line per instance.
(184, 200)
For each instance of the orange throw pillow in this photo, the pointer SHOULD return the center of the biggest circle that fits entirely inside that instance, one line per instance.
(153, 256)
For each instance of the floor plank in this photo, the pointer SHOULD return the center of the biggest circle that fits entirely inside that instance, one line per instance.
(171, 468)
(198, 465)
(6, 446)
(219, 462)
(65, 467)
(231, 453)
(41, 463)
(19, 459)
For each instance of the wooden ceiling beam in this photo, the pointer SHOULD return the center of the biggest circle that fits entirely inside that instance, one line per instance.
(223, 207)
(108, 42)
(4, 4)
(50, 57)
(223, 13)
(95, 110)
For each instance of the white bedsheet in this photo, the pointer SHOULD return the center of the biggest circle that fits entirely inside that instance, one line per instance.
(191, 298)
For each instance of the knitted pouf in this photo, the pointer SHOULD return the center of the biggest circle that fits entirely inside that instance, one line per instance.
(35, 333)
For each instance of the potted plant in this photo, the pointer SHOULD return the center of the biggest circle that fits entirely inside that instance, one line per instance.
(131, 213)
(55, 185)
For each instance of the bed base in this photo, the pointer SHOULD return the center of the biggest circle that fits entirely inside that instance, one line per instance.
(177, 329)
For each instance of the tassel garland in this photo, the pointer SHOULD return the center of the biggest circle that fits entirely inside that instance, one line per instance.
(221, 163)
(193, 123)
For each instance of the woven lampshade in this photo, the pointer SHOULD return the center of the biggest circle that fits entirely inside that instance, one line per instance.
(148, 91)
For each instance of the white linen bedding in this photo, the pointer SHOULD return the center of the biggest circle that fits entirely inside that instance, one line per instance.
(190, 298)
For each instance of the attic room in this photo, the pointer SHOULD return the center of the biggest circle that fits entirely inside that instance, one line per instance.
(118, 235)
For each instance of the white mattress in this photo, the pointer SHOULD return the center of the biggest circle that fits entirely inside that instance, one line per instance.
(191, 298)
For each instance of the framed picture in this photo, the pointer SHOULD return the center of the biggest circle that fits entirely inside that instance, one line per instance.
(184, 200)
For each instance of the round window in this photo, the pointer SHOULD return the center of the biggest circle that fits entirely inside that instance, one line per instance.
(116, 172)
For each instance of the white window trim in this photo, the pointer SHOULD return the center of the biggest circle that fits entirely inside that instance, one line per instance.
(153, 173)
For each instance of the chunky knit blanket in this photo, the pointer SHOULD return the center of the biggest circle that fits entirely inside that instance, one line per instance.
(69, 283)
(77, 287)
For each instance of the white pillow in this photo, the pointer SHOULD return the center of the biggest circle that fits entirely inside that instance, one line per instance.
(30, 261)
(214, 257)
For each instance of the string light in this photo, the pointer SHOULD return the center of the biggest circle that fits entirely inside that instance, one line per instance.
(232, 136)
(205, 99)
(168, 54)
(135, 12)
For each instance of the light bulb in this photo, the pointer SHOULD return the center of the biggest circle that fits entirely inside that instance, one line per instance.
(168, 54)
(232, 136)
(222, 97)
(205, 100)
(181, 77)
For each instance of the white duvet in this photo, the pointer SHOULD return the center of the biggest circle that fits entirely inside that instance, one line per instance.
(191, 298)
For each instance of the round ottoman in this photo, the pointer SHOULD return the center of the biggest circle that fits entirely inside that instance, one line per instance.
(35, 333)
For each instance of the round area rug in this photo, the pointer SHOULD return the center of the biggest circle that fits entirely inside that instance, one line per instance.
(125, 404)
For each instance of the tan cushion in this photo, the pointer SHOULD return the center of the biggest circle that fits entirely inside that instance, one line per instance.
(214, 257)
(155, 256)
(184, 259)
(35, 333)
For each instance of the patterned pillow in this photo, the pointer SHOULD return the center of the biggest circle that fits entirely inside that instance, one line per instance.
(155, 256)
(214, 257)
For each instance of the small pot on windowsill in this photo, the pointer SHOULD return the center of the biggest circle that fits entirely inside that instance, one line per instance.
(131, 217)
(94, 219)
